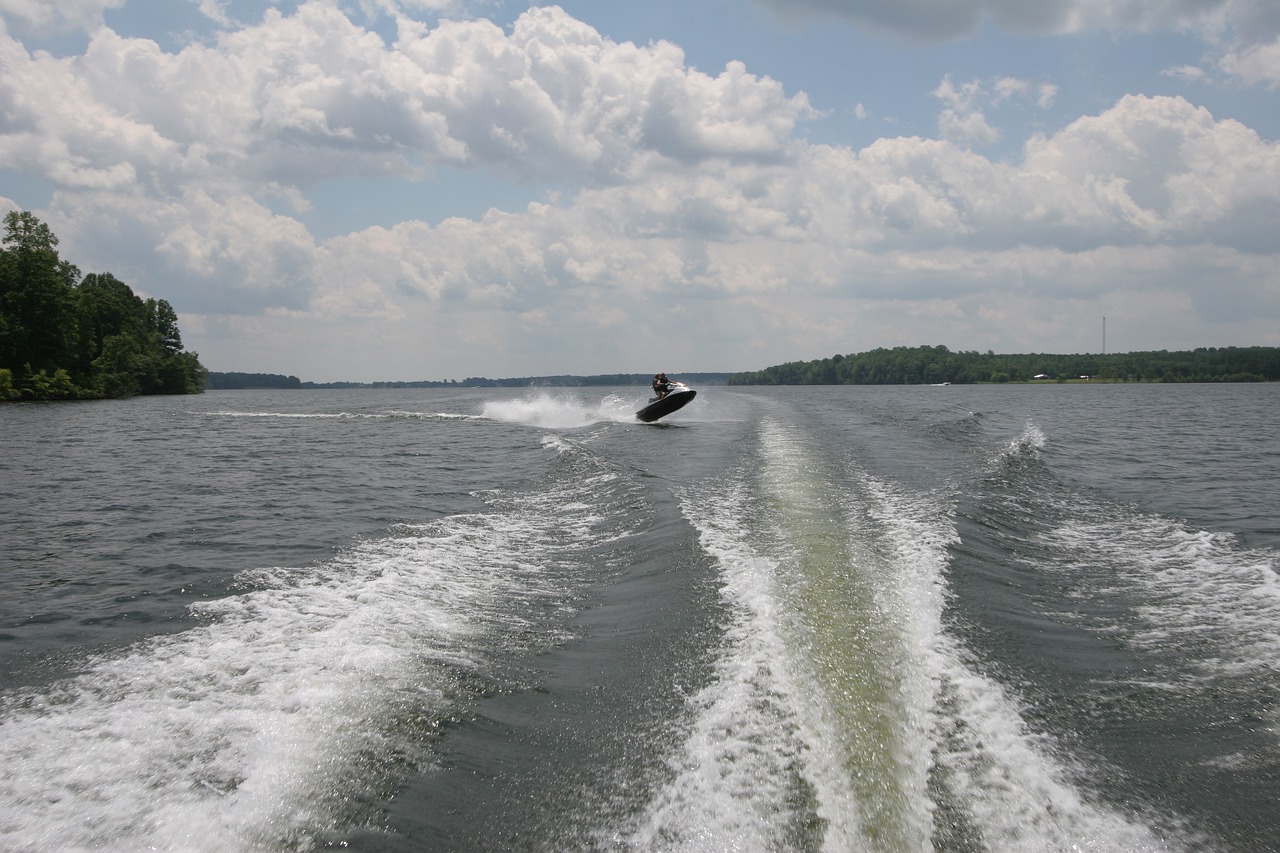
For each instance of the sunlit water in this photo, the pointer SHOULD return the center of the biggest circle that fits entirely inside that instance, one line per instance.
(884, 619)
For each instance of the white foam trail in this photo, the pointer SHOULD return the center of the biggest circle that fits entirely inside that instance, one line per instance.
(909, 537)
(816, 734)
(1006, 780)
(559, 412)
(769, 760)
(843, 593)
(739, 781)
(302, 696)
(1195, 596)
(969, 735)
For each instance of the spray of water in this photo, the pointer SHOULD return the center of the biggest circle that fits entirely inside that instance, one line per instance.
(560, 411)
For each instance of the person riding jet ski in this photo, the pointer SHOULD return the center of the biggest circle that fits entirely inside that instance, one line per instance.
(661, 385)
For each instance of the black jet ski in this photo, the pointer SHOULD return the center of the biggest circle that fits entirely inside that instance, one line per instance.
(679, 395)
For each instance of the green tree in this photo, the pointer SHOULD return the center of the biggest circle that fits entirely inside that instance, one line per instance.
(37, 300)
(163, 321)
(107, 308)
(122, 368)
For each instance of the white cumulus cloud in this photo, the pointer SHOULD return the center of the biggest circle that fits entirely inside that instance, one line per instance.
(684, 194)
(56, 15)
(313, 95)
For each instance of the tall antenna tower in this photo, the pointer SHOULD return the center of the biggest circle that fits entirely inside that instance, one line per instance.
(1104, 335)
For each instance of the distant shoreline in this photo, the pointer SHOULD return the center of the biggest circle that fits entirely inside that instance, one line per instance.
(223, 381)
(937, 365)
(923, 365)
(716, 379)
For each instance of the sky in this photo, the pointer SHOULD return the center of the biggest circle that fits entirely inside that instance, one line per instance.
(363, 190)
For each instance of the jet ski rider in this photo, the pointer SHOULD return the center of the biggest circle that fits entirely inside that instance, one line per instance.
(661, 385)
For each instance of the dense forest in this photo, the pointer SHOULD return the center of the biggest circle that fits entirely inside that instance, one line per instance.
(926, 365)
(64, 337)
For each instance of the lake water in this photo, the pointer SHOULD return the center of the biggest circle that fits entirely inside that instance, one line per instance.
(1021, 618)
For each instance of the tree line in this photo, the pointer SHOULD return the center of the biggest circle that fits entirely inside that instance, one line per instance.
(67, 337)
(216, 381)
(227, 381)
(932, 365)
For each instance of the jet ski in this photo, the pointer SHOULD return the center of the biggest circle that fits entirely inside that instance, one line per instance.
(658, 407)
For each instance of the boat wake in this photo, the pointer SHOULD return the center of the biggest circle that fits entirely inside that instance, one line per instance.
(842, 713)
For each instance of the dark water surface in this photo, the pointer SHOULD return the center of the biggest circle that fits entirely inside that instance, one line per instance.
(888, 619)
